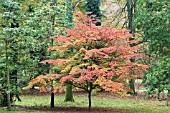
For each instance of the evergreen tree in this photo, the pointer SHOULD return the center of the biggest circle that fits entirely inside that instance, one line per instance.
(93, 6)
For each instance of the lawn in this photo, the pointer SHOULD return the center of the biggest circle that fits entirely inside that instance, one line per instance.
(99, 104)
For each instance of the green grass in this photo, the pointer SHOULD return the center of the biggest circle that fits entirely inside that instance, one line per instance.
(128, 105)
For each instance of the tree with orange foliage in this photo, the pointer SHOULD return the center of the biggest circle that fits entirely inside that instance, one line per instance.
(96, 57)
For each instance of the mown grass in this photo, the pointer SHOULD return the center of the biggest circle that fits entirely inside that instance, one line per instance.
(128, 105)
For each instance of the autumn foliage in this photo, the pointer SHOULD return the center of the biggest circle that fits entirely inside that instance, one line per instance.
(96, 56)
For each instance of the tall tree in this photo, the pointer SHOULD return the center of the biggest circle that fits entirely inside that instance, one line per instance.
(131, 8)
(153, 23)
(49, 19)
(43, 20)
(69, 16)
(9, 33)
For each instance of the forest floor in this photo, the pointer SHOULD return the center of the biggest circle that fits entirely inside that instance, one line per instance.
(36, 102)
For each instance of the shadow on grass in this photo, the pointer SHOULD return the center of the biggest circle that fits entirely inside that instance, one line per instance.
(73, 109)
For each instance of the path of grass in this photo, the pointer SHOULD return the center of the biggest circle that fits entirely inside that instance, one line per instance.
(128, 105)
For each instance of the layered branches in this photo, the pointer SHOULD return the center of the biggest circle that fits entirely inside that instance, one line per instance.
(99, 55)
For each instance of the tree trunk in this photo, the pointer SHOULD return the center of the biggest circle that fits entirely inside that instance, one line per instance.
(130, 15)
(52, 100)
(52, 95)
(53, 3)
(69, 93)
(89, 96)
(69, 16)
(8, 78)
(131, 10)
(168, 98)
(132, 86)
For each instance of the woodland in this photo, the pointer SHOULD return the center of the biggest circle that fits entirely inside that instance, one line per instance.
(80, 56)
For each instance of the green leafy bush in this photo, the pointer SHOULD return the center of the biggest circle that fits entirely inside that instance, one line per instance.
(157, 79)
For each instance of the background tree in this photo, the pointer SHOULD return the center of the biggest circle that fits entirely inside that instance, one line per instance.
(131, 8)
(9, 32)
(32, 23)
(153, 23)
(47, 20)
(69, 17)
(94, 7)
(57, 15)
